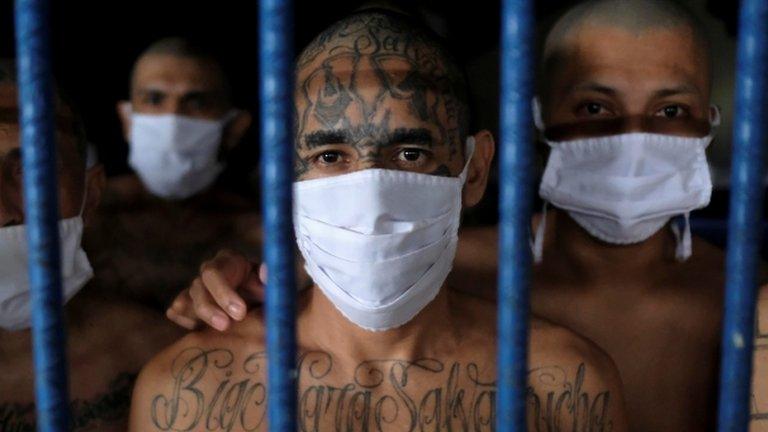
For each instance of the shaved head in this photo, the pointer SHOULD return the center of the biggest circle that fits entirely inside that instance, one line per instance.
(183, 48)
(632, 16)
(379, 79)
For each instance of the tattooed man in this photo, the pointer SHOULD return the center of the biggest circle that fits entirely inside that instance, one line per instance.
(382, 172)
(108, 340)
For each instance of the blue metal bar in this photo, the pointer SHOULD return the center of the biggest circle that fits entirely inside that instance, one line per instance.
(276, 80)
(515, 161)
(749, 140)
(36, 101)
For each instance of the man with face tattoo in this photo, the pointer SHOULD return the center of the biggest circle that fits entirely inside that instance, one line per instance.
(384, 165)
(624, 105)
(108, 340)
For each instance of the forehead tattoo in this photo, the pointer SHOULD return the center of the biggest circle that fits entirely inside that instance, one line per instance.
(410, 71)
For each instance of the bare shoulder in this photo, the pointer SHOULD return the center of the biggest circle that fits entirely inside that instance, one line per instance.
(571, 379)
(194, 381)
(759, 403)
(96, 321)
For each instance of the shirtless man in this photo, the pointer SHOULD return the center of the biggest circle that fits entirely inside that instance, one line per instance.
(157, 225)
(380, 157)
(610, 67)
(108, 341)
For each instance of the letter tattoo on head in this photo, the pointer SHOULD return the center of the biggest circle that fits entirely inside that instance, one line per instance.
(377, 79)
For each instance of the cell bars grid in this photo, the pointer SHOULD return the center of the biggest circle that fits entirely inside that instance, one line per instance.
(36, 101)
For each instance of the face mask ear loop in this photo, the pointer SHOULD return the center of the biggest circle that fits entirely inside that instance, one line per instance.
(538, 120)
(537, 244)
(470, 151)
(684, 248)
(715, 117)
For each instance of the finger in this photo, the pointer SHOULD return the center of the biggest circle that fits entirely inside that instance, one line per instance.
(263, 273)
(253, 290)
(206, 308)
(180, 320)
(181, 311)
(223, 293)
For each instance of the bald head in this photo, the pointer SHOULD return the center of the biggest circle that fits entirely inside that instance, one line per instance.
(616, 66)
(635, 17)
(175, 76)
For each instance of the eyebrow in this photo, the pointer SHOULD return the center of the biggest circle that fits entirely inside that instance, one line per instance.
(682, 89)
(595, 87)
(342, 136)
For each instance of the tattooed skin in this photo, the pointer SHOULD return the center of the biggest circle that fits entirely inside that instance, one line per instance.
(87, 415)
(759, 411)
(215, 390)
(354, 77)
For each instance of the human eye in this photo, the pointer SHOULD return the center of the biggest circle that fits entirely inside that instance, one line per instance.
(413, 157)
(593, 109)
(329, 157)
(153, 98)
(672, 111)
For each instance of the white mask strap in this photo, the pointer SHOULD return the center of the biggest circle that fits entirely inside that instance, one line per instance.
(715, 117)
(538, 119)
(537, 245)
(684, 249)
(470, 151)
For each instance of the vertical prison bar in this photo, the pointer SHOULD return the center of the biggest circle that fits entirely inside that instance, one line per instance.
(514, 211)
(276, 87)
(749, 140)
(41, 207)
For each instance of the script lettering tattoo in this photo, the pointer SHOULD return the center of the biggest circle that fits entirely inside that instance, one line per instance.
(217, 390)
(412, 75)
(566, 406)
(232, 403)
(110, 407)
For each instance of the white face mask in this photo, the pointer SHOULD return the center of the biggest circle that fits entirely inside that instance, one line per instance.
(15, 294)
(176, 156)
(624, 188)
(379, 243)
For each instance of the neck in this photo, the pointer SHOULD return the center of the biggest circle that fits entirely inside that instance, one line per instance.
(572, 253)
(333, 332)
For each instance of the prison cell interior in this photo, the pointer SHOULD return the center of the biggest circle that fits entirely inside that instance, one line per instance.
(32, 24)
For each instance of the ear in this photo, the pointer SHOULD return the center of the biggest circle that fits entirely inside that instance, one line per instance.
(235, 130)
(95, 182)
(124, 110)
(479, 168)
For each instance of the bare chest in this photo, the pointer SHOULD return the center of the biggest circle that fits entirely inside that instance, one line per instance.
(159, 250)
(216, 390)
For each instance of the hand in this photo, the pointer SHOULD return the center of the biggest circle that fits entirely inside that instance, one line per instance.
(226, 286)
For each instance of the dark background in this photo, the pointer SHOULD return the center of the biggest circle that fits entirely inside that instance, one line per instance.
(96, 42)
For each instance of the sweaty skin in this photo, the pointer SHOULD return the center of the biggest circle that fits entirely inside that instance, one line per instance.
(657, 318)
(149, 248)
(107, 340)
(374, 92)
